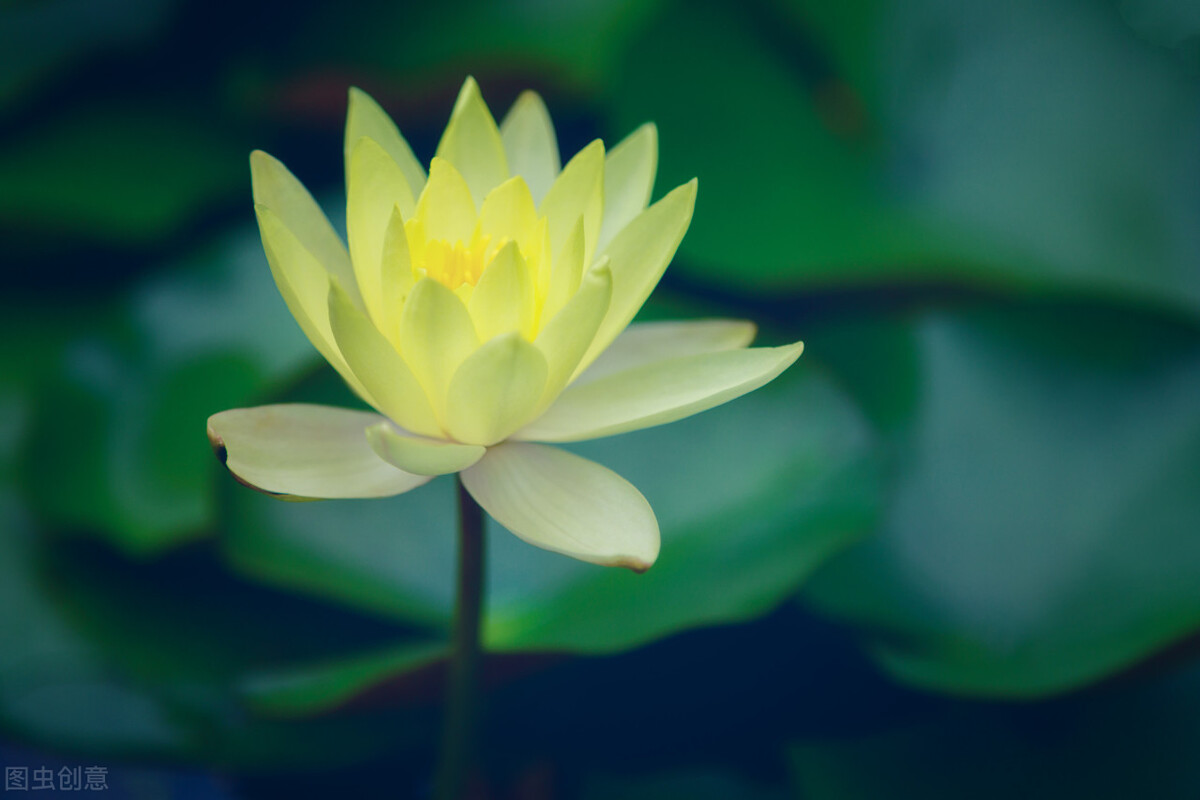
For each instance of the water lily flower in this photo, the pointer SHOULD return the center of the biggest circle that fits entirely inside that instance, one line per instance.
(482, 310)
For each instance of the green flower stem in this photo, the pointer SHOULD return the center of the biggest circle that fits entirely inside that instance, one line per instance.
(458, 734)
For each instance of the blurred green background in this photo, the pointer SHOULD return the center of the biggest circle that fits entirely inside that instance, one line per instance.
(954, 552)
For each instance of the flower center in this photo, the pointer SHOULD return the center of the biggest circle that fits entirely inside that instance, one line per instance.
(454, 264)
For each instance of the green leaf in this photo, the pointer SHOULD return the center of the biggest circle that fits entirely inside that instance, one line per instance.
(116, 175)
(1138, 741)
(750, 498)
(695, 784)
(1041, 534)
(1035, 146)
(581, 38)
(112, 659)
(41, 37)
(118, 445)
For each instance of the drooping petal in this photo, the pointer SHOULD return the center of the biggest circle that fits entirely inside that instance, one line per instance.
(305, 452)
(509, 211)
(566, 504)
(436, 335)
(495, 390)
(472, 142)
(503, 298)
(578, 191)
(379, 367)
(277, 188)
(531, 144)
(663, 340)
(419, 455)
(304, 284)
(567, 336)
(638, 255)
(375, 188)
(629, 173)
(366, 118)
(445, 208)
(657, 393)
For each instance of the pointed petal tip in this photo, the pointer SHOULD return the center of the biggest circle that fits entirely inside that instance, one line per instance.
(594, 146)
(218, 444)
(634, 564)
(528, 96)
(466, 94)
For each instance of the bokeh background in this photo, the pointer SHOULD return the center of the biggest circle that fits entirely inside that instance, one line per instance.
(954, 552)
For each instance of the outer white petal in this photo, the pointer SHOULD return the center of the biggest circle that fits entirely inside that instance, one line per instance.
(647, 342)
(639, 255)
(472, 143)
(565, 503)
(366, 118)
(305, 452)
(628, 180)
(277, 188)
(657, 393)
(419, 455)
(531, 144)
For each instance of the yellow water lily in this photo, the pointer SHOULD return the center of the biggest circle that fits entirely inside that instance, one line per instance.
(481, 309)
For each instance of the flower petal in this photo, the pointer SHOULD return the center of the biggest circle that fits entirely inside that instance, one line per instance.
(277, 188)
(531, 144)
(436, 335)
(496, 390)
(445, 208)
(303, 451)
(657, 393)
(566, 271)
(379, 367)
(565, 503)
(509, 211)
(578, 191)
(566, 337)
(629, 173)
(366, 118)
(646, 342)
(472, 142)
(375, 188)
(419, 455)
(396, 277)
(304, 284)
(639, 255)
(503, 298)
